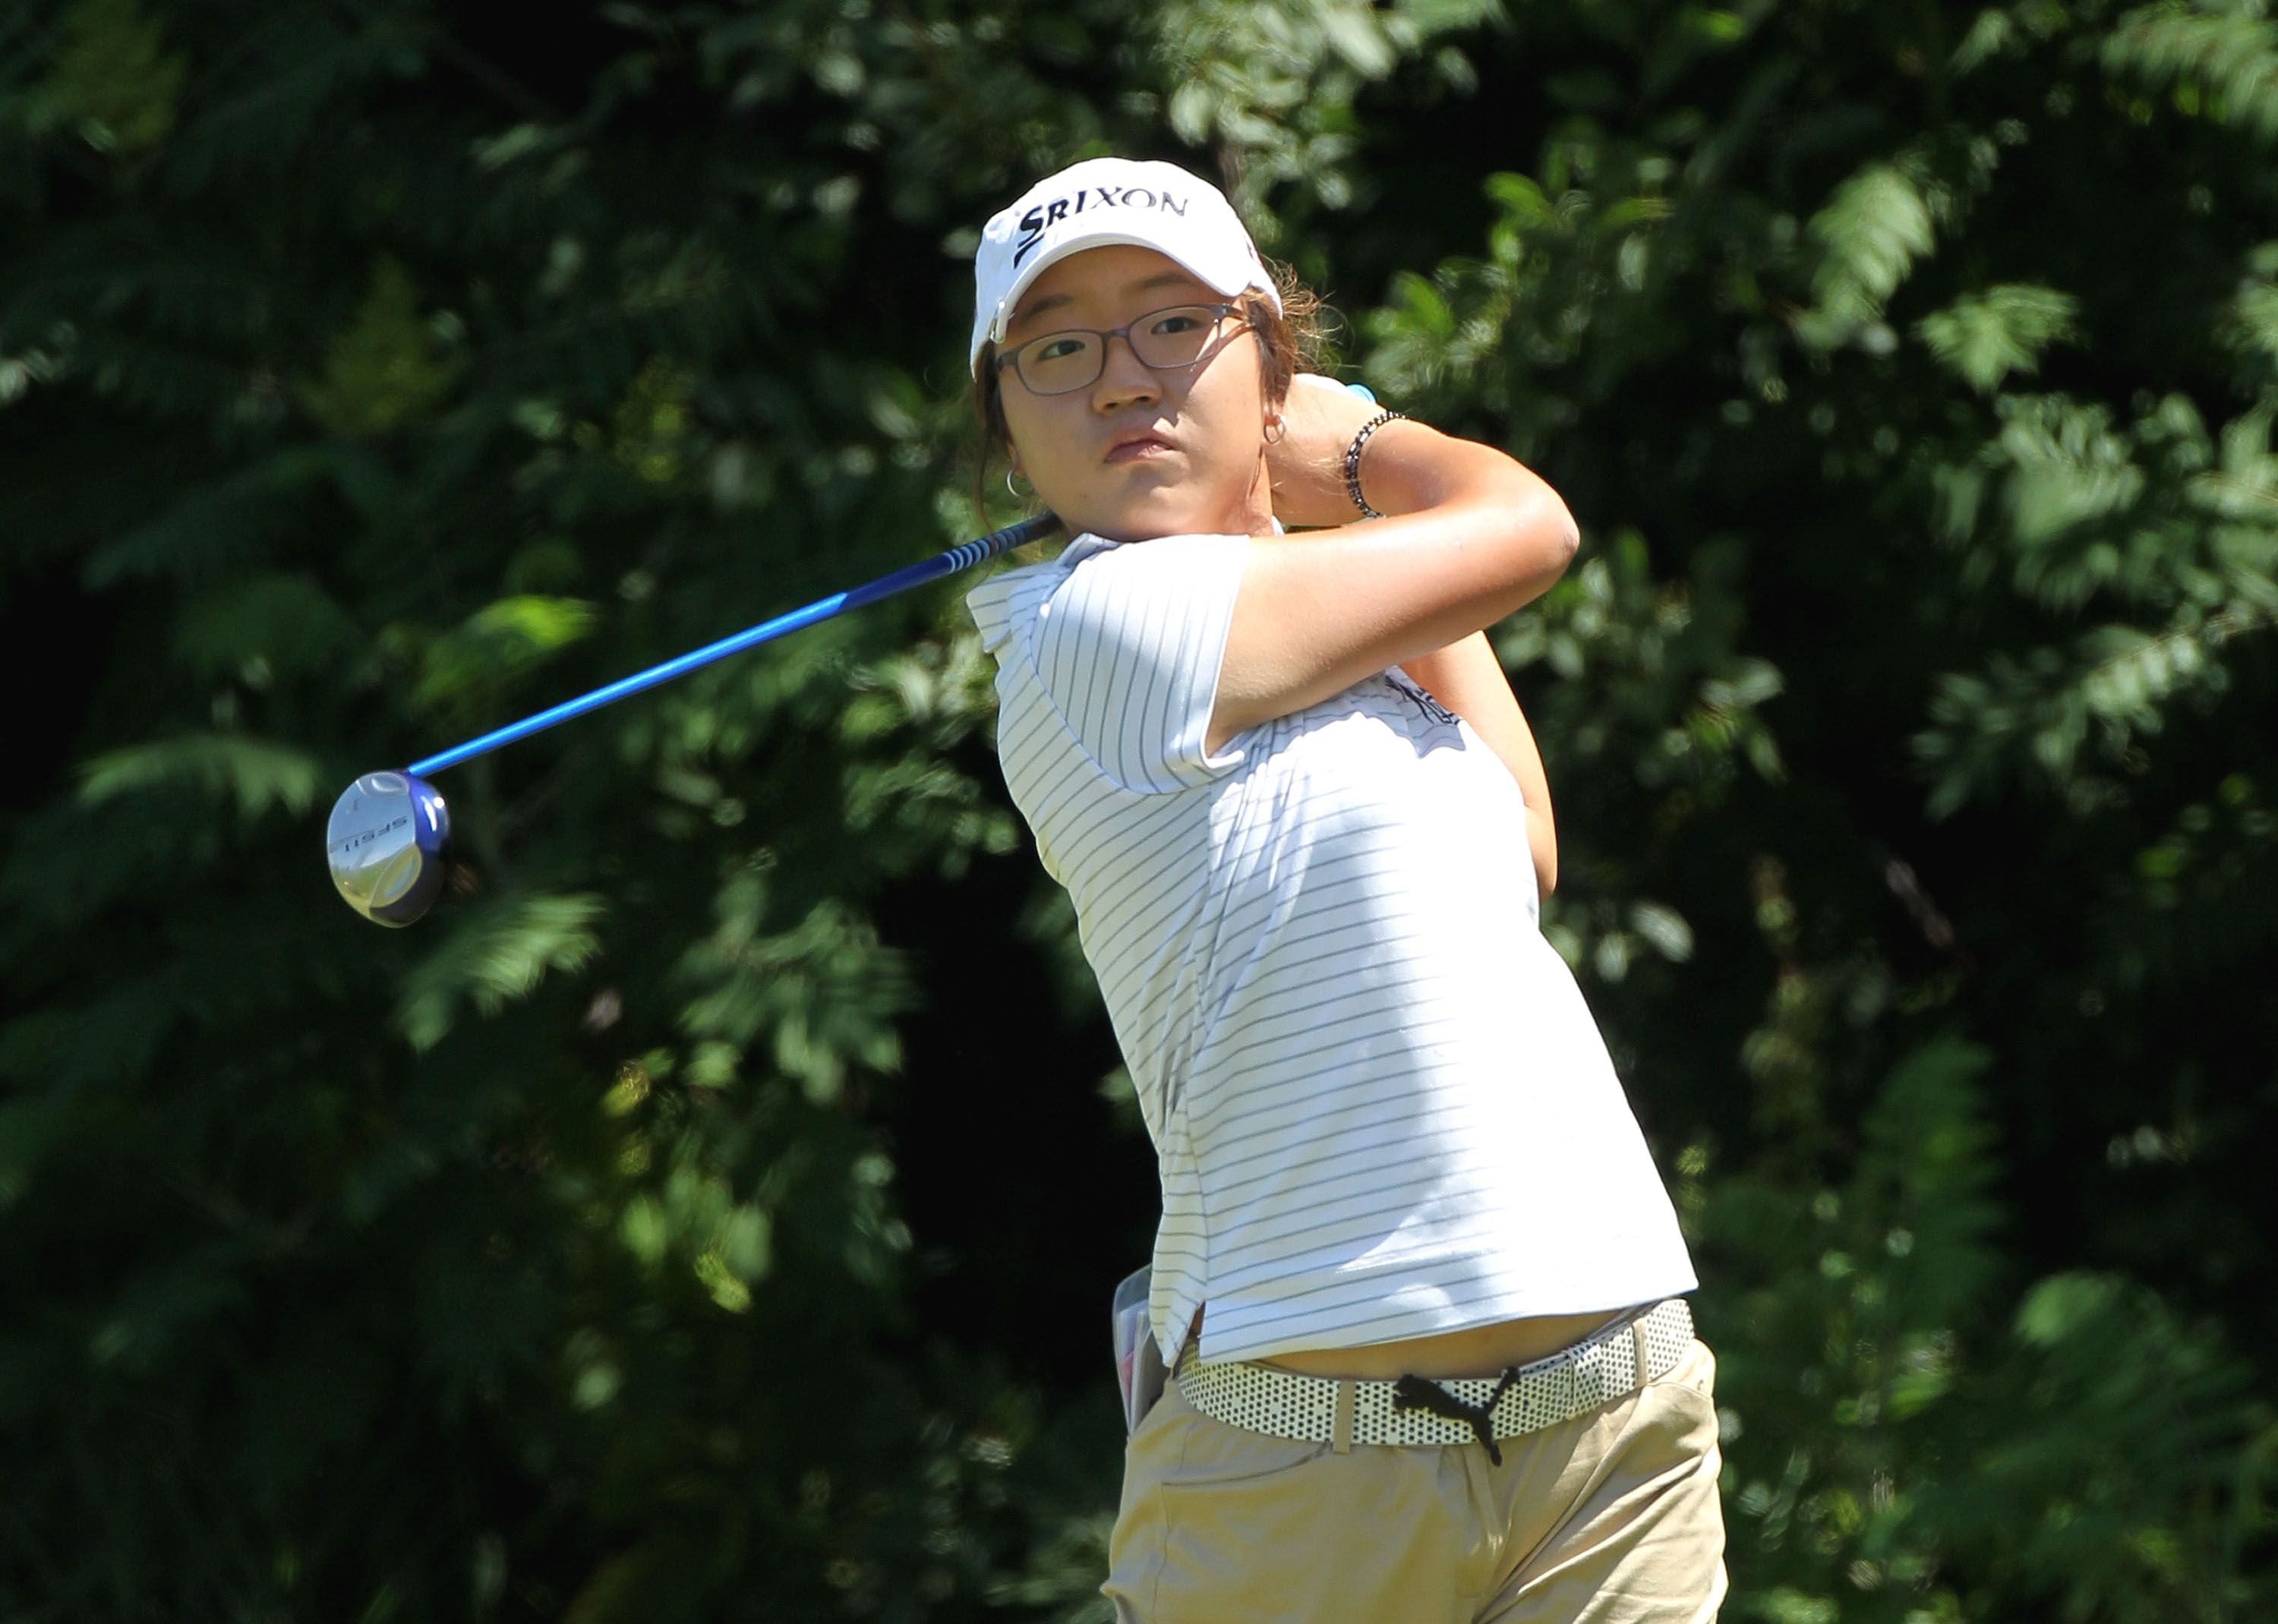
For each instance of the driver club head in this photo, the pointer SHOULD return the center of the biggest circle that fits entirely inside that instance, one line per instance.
(387, 840)
(386, 843)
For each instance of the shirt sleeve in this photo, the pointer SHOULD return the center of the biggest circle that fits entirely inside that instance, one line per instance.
(1129, 646)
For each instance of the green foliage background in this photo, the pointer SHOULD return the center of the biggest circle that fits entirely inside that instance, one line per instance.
(709, 1212)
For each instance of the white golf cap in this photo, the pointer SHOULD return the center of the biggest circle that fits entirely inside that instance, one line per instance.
(1105, 201)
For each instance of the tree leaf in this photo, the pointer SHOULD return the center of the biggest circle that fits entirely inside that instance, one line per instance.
(495, 954)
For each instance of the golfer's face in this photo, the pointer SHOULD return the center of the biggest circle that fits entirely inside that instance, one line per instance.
(1139, 451)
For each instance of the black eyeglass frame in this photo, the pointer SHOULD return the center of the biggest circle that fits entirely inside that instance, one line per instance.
(1012, 357)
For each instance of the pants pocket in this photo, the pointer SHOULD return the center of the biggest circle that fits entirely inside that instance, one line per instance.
(1693, 1379)
(1210, 1513)
(1244, 1529)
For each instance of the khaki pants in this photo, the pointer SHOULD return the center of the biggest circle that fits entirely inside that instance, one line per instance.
(1611, 1517)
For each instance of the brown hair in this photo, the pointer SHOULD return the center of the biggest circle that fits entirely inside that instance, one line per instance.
(1289, 342)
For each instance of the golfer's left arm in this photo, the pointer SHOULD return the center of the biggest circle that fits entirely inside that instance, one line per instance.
(1469, 680)
(1309, 488)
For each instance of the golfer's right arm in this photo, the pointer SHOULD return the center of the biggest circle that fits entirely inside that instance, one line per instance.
(1471, 535)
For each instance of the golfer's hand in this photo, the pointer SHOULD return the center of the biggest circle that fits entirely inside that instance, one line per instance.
(1307, 465)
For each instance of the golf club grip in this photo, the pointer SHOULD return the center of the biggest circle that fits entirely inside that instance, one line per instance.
(963, 556)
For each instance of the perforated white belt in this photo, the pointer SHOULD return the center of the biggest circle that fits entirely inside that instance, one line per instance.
(1640, 1346)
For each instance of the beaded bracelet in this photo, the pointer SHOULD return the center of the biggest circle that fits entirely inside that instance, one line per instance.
(1352, 462)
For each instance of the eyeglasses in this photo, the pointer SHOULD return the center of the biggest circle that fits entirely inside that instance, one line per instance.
(1061, 362)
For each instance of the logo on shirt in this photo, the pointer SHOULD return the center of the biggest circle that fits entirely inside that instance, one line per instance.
(1433, 711)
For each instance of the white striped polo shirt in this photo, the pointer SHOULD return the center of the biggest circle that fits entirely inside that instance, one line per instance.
(1381, 1108)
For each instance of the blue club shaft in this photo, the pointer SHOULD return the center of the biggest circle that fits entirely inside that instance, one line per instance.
(963, 556)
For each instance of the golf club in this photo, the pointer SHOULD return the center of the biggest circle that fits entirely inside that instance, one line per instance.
(388, 839)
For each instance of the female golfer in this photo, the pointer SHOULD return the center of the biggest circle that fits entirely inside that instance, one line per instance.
(1417, 1279)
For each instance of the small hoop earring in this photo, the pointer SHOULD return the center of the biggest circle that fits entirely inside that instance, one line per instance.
(1009, 489)
(1277, 430)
